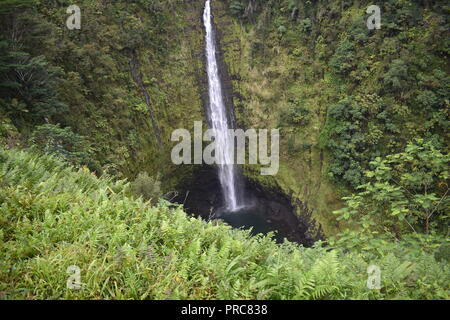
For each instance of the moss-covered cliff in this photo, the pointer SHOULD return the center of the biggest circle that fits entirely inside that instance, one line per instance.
(364, 122)
(341, 94)
(122, 53)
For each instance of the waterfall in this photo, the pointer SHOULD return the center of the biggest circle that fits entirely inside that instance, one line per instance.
(219, 120)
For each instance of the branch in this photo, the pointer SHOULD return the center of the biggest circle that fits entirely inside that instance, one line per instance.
(435, 208)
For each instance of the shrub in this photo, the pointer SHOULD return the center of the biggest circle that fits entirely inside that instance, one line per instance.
(405, 192)
(147, 187)
(297, 114)
(63, 143)
(343, 59)
(347, 141)
(237, 8)
(305, 25)
(396, 76)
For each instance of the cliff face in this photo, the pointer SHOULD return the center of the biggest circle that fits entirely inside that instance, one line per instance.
(340, 93)
(131, 75)
(263, 86)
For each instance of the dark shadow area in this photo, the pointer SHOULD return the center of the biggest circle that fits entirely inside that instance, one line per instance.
(265, 210)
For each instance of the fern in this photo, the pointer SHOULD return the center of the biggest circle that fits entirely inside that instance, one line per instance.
(53, 216)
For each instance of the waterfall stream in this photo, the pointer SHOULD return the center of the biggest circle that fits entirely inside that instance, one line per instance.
(244, 203)
(219, 120)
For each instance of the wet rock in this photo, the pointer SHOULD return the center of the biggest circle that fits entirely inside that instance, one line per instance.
(267, 210)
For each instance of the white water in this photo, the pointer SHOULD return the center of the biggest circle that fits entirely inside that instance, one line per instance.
(219, 120)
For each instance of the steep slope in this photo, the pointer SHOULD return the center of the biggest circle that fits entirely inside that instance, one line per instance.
(53, 217)
(341, 94)
(131, 75)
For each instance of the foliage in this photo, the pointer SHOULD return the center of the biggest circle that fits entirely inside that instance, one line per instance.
(147, 187)
(12, 5)
(348, 141)
(28, 83)
(36, 88)
(236, 8)
(396, 76)
(405, 192)
(53, 217)
(369, 92)
(9, 135)
(63, 143)
(343, 59)
(355, 99)
(305, 25)
(82, 78)
(297, 115)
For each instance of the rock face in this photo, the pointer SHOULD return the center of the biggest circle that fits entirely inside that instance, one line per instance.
(262, 77)
(268, 210)
(265, 210)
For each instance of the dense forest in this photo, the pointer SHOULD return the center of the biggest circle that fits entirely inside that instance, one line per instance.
(86, 177)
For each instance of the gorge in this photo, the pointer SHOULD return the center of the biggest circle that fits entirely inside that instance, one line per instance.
(239, 204)
(221, 122)
(359, 98)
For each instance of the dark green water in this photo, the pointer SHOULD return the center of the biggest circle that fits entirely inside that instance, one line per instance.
(251, 218)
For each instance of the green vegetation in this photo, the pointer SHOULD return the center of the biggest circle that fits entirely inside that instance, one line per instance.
(53, 216)
(342, 95)
(147, 187)
(405, 198)
(364, 122)
(64, 143)
(92, 80)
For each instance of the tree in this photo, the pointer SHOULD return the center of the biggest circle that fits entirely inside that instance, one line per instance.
(37, 88)
(397, 75)
(63, 143)
(236, 8)
(343, 59)
(406, 192)
(347, 142)
(296, 115)
(28, 83)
